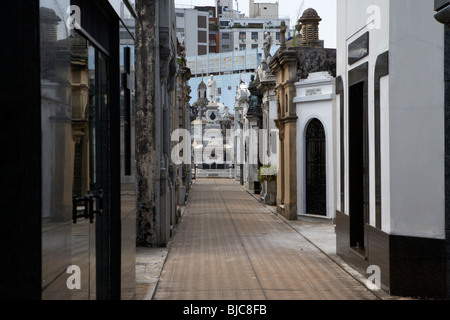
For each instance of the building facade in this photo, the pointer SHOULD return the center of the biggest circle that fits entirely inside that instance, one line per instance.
(251, 124)
(213, 27)
(315, 103)
(390, 209)
(265, 82)
(225, 9)
(240, 34)
(263, 9)
(289, 65)
(193, 30)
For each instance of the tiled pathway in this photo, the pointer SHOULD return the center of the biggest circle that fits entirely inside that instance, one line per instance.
(229, 246)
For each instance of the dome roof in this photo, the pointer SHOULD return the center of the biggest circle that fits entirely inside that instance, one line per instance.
(309, 14)
(202, 85)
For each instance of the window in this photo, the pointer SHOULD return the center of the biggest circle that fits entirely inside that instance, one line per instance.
(242, 47)
(225, 36)
(225, 46)
(180, 14)
(254, 46)
(201, 21)
(242, 35)
(255, 35)
(224, 23)
(278, 36)
(202, 50)
(180, 29)
(202, 36)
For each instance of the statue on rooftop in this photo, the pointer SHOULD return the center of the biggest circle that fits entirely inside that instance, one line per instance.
(212, 89)
(267, 46)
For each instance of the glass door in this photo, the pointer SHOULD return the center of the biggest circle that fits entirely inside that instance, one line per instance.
(74, 89)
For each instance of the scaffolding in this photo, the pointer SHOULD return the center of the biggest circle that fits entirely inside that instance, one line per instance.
(224, 63)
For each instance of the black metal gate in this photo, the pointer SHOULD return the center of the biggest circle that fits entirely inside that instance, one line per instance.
(316, 182)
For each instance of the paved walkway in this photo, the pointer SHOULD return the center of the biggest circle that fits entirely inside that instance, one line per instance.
(229, 246)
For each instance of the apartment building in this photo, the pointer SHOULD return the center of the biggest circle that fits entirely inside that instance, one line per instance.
(238, 34)
(193, 29)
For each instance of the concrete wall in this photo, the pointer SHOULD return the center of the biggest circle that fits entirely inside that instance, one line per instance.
(412, 110)
(416, 119)
(263, 10)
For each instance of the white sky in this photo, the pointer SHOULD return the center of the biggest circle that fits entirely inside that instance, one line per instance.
(325, 8)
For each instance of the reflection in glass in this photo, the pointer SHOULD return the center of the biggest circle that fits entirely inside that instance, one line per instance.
(128, 181)
(75, 130)
(121, 9)
(67, 88)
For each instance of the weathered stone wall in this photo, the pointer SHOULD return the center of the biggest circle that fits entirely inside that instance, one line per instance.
(147, 150)
(160, 104)
(310, 60)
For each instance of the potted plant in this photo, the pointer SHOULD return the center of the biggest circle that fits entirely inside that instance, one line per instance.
(267, 177)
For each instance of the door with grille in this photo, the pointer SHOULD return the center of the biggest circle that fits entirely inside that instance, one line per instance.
(316, 182)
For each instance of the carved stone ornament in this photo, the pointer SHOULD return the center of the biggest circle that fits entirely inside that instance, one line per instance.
(281, 128)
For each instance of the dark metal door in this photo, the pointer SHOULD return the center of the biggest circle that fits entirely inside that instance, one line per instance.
(316, 183)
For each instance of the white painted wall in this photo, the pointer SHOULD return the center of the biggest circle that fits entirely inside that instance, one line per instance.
(263, 10)
(309, 107)
(416, 120)
(251, 165)
(385, 151)
(412, 110)
(273, 129)
(356, 17)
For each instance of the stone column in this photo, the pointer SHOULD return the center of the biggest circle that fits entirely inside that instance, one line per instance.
(148, 121)
(284, 67)
(290, 163)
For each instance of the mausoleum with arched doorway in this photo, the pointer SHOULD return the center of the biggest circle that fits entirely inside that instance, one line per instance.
(315, 169)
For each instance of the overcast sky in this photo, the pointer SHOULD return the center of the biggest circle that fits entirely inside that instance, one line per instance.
(290, 8)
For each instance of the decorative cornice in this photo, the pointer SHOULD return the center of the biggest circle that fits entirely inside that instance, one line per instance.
(288, 84)
(289, 119)
(287, 57)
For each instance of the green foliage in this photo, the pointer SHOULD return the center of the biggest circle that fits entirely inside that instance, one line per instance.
(267, 173)
(213, 27)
